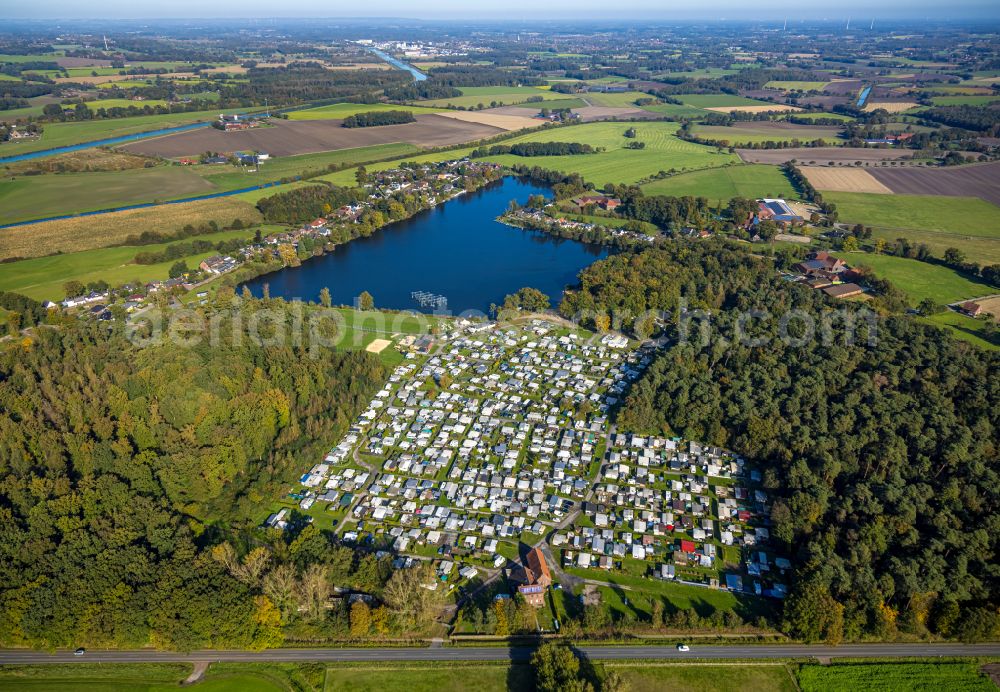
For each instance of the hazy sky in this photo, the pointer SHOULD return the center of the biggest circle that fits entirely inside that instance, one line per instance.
(620, 11)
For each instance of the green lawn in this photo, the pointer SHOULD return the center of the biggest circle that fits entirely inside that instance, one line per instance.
(42, 278)
(945, 221)
(962, 327)
(553, 104)
(31, 197)
(473, 96)
(680, 596)
(676, 110)
(123, 103)
(758, 133)
(795, 85)
(64, 134)
(488, 677)
(964, 100)
(148, 677)
(619, 165)
(624, 99)
(898, 677)
(342, 110)
(748, 677)
(720, 101)
(920, 280)
(751, 181)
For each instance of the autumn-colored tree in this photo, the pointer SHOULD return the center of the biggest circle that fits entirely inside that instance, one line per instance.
(361, 619)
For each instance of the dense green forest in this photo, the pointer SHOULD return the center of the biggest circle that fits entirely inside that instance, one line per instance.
(883, 456)
(377, 118)
(125, 472)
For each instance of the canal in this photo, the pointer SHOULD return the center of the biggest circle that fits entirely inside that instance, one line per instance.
(457, 250)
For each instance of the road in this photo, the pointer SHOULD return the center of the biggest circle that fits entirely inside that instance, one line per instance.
(374, 655)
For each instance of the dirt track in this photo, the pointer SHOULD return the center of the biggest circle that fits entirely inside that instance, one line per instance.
(290, 137)
(981, 181)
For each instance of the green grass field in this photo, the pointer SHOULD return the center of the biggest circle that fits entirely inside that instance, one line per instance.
(489, 677)
(962, 327)
(342, 110)
(31, 197)
(473, 96)
(123, 103)
(898, 677)
(84, 677)
(124, 84)
(967, 223)
(964, 100)
(818, 116)
(756, 180)
(676, 110)
(920, 280)
(747, 677)
(758, 133)
(720, 100)
(553, 104)
(64, 134)
(42, 278)
(795, 85)
(616, 100)
(619, 165)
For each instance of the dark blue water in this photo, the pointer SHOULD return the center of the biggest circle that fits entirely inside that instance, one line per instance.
(418, 76)
(100, 142)
(457, 250)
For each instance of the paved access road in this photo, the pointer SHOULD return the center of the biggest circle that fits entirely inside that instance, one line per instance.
(882, 651)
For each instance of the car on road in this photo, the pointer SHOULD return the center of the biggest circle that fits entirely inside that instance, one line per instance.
(80, 652)
(683, 647)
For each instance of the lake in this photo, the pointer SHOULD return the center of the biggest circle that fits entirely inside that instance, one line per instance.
(456, 249)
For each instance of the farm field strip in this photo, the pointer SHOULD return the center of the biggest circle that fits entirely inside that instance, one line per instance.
(844, 180)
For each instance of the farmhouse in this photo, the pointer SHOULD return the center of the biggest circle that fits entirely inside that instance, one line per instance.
(534, 578)
(971, 308)
(821, 264)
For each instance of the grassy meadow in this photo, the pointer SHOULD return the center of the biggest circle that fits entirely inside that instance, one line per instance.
(720, 101)
(90, 232)
(898, 677)
(508, 96)
(66, 134)
(42, 278)
(757, 133)
(967, 223)
(751, 181)
(920, 280)
(617, 164)
(746, 677)
(30, 197)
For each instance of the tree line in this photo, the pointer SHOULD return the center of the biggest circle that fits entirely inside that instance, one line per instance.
(534, 149)
(376, 118)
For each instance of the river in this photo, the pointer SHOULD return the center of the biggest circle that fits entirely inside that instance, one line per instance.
(456, 249)
(418, 76)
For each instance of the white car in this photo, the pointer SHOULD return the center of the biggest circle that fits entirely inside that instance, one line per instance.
(80, 652)
(683, 647)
